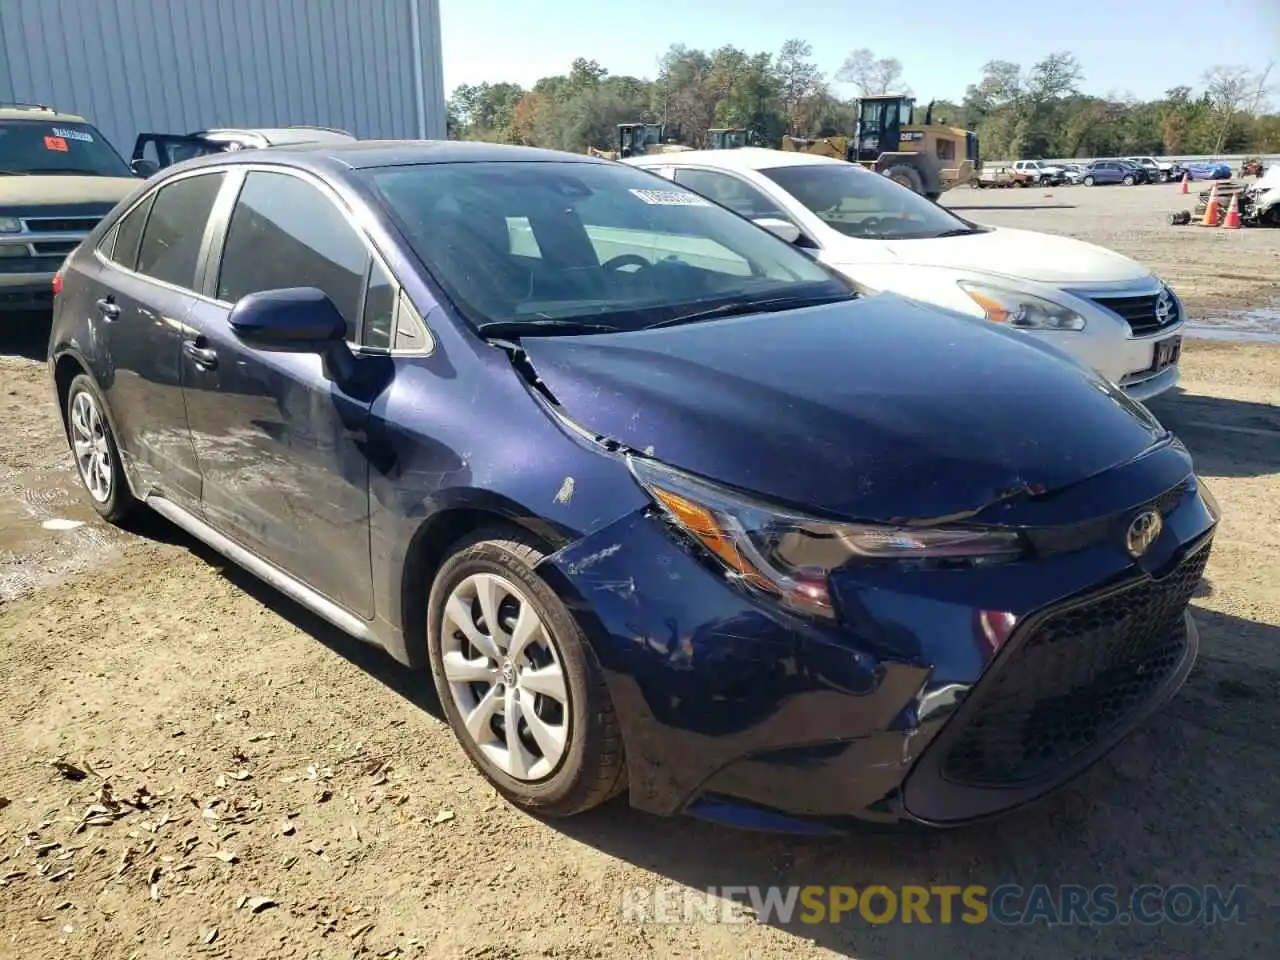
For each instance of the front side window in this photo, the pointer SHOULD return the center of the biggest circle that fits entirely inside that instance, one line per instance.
(858, 203)
(285, 232)
(729, 191)
(171, 240)
(600, 243)
(41, 147)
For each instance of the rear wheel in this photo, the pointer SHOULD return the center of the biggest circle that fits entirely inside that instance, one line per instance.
(1088, 181)
(907, 176)
(518, 681)
(94, 447)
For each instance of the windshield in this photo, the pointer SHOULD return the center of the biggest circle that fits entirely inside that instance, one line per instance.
(546, 244)
(858, 203)
(36, 147)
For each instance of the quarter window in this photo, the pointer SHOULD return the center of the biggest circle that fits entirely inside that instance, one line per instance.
(379, 308)
(129, 234)
(171, 241)
(285, 232)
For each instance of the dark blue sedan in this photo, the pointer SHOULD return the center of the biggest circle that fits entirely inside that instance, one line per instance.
(658, 501)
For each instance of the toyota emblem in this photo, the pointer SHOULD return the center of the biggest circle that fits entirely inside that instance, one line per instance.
(1142, 532)
(1164, 307)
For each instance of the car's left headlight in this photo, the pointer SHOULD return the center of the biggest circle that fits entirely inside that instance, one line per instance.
(1022, 310)
(788, 555)
(10, 225)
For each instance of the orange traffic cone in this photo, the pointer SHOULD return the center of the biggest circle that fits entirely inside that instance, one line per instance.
(1212, 209)
(1233, 215)
(1186, 183)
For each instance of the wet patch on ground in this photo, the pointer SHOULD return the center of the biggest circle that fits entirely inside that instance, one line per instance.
(1260, 325)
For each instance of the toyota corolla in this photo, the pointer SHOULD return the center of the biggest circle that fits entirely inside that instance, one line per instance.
(659, 504)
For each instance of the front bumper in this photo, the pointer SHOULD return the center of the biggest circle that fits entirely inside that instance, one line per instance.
(26, 291)
(735, 710)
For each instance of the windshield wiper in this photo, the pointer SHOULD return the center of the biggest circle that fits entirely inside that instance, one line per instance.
(737, 307)
(957, 232)
(14, 173)
(541, 328)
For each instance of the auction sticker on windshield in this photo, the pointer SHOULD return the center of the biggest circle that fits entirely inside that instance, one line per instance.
(68, 134)
(56, 144)
(671, 198)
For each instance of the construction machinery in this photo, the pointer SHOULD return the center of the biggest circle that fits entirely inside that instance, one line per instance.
(923, 156)
(638, 139)
(730, 138)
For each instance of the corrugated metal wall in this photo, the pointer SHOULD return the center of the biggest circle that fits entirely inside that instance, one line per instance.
(173, 66)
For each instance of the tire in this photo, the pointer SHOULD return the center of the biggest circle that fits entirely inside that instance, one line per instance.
(591, 767)
(93, 448)
(1130, 180)
(1088, 181)
(907, 176)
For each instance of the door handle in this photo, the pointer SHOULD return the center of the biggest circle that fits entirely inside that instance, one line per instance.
(203, 356)
(108, 308)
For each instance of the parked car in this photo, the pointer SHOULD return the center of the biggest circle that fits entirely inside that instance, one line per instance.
(1113, 171)
(1158, 171)
(1212, 170)
(1073, 173)
(660, 502)
(155, 151)
(1046, 174)
(58, 177)
(1103, 308)
(992, 177)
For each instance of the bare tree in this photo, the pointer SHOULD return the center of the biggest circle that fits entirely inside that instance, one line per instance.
(1260, 94)
(799, 77)
(1227, 89)
(871, 75)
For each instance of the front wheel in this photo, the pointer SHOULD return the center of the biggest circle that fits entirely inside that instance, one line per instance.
(518, 681)
(1129, 181)
(93, 444)
(907, 176)
(1088, 181)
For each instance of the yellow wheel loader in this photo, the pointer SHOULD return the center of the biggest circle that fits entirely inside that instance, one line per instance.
(923, 156)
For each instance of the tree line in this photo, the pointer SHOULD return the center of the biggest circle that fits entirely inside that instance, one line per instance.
(1019, 112)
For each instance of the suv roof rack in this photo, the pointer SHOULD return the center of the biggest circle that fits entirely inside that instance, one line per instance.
(25, 105)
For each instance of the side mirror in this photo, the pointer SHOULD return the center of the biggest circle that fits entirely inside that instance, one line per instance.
(782, 229)
(143, 168)
(295, 320)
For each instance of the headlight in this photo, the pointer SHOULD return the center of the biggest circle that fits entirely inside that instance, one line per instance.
(788, 555)
(10, 225)
(1021, 310)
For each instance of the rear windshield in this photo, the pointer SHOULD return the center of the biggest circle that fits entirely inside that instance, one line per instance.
(72, 149)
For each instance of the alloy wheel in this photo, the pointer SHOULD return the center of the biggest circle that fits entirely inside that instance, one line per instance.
(90, 445)
(506, 676)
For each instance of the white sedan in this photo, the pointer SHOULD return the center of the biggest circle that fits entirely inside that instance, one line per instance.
(1106, 310)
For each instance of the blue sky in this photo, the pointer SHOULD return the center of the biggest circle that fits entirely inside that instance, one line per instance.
(1141, 47)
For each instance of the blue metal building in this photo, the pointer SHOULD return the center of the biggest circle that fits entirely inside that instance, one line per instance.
(371, 67)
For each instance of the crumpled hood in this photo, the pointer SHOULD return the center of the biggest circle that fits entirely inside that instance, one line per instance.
(1022, 254)
(32, 194)
(875, 409)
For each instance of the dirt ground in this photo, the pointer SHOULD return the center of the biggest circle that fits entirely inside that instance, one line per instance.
(179, 741)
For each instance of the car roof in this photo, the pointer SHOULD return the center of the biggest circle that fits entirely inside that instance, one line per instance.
(368, 154)
(32, 111)
(744, 158)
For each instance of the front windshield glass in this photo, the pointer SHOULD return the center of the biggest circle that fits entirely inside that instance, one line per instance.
(38, 147)
(550, 243)
(859, 203)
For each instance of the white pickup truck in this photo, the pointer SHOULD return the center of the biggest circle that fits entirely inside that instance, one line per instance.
(1158, 171)
(1046, 174)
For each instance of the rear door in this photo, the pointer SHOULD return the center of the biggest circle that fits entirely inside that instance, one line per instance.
(282, 449)
(152, 266)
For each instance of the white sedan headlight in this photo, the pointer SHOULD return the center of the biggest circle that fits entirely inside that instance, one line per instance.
(788, 556)
(1022, 310)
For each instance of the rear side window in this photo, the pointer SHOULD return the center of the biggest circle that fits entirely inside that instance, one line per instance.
(285, 232)
(170, 248)
(129, 234)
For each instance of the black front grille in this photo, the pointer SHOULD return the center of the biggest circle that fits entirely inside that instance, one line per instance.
(1138, 312)
(54, 248)
(1077, 677)
(61, 224)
